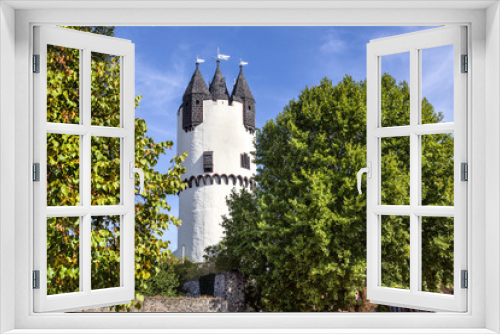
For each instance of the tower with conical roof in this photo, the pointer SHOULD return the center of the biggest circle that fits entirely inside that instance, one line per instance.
(192, 101)
(218, 88)
(217, 131)
(241, 93)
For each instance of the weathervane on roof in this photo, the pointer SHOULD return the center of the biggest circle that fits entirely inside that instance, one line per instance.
(199, 60)
(221, 56)
(242, 63)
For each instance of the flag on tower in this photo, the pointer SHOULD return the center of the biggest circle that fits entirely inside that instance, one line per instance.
(221, 56)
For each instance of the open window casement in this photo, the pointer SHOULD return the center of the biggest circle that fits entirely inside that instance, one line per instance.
(405, 225)
(83, 170)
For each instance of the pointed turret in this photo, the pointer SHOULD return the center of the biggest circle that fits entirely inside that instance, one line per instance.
(192, 101)
(218, 88)
(241, 93)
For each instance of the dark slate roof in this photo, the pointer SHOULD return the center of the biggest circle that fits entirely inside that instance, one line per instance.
(241, 91)
(218, 88)
(197, 84)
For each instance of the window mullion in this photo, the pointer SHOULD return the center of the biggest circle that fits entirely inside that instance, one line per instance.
(414, 171)
(81, 185)
(85, 266)
(373, 184)
(418, 159)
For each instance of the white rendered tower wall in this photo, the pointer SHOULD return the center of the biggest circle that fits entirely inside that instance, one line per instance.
(203, 203)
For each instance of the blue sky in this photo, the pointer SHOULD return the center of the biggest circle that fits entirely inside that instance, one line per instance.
(282, 62)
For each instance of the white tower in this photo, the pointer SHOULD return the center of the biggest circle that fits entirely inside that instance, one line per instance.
(217, 131)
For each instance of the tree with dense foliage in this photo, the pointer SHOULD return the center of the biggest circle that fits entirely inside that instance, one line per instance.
(166, 283)
(151, 208)
(300, 236)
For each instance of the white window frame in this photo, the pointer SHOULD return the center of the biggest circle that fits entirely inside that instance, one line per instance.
(414, 43)
(86, 43)
(483, 20)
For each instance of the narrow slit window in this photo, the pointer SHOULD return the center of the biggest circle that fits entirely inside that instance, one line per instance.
(208, 161)
(245, 161)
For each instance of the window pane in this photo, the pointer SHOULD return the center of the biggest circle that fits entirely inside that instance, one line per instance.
(437, 169)
(437, 254)
(105, 244)
(63, 85)
(437, 84)
(395, 102)
(396, 252)
(63, 170)
(105, 171)
(63, 255)
(105, 90)
(395, 171)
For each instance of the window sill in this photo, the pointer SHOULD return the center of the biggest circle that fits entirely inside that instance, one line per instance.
(248, 331)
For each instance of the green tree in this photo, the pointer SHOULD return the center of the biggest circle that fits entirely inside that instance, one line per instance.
(167, 282)
(301, 235)
(151, 209)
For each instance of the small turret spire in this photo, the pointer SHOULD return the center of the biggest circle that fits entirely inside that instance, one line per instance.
(192, 100)
(241, 93)
(241, 90)
(218, 88)
(197, 84)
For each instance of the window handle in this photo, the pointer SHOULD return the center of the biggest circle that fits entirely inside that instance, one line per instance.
(368, 171)
(139, 171)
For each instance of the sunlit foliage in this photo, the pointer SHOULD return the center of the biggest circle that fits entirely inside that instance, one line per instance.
(300, 237)
(63, 174)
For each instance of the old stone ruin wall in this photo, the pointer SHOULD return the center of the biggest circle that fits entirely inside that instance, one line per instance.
(228, 286)
(181, 304)
(228, 296)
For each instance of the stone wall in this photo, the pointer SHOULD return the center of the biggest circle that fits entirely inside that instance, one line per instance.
(230, 286)
(220, 286)
(181, 304)
(229, 296)
(192, 288)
